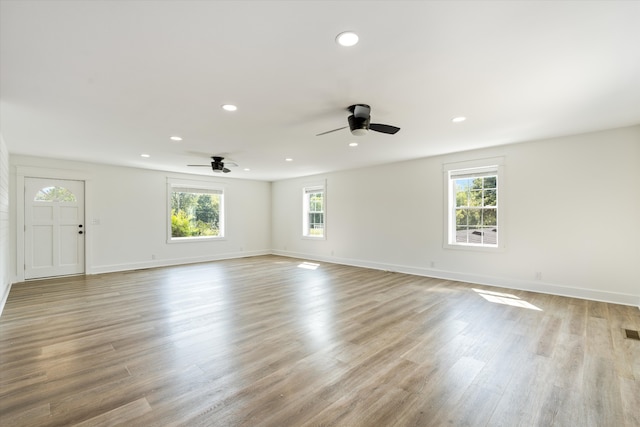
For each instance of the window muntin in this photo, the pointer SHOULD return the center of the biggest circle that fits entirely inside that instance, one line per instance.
(473, 207)
(196, 213)
(54, 194)
(313, 212)
(475, 211)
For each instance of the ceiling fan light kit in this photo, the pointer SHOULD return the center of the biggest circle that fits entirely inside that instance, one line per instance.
(360, 122)
(217, 165)
(359, 126)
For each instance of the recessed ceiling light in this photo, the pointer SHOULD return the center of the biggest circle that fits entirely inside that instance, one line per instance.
(175, 138)
(458, 119)
(353, 144)
(229, 107)
(146, 156)
(347, 38)
(247, 169)
(288, 159)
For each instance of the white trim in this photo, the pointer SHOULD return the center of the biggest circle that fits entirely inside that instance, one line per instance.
(308, 189)
(3, 301)
(23, 172)
(501, 282)
(482, 166)
(112, 268)
(474, 164)
(195, 184)
(314, 189)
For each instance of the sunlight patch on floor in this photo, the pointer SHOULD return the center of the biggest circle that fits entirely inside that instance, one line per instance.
(506, 299)
(308, 265)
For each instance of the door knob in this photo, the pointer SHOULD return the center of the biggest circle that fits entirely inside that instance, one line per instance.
(80, 232)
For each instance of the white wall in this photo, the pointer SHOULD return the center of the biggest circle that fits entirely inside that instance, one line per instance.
(571, 206)
(131, 207)
(5, 280)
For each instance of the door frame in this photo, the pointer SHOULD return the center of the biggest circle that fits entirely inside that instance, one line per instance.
(37, 172)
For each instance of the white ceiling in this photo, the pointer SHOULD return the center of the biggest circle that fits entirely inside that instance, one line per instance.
(105, 81)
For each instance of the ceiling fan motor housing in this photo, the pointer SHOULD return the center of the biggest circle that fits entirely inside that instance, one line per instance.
(217, 166)
(359, 125)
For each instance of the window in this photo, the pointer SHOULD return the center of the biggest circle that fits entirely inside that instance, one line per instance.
(313, 208)
(54, 194)
(195, 213)
(473, 218)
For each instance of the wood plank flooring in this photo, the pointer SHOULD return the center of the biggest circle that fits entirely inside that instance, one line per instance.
(275, 341)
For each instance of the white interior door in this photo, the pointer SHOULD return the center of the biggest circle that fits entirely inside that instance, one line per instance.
(54, 227)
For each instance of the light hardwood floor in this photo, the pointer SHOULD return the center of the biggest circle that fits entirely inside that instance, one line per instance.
(271, 341)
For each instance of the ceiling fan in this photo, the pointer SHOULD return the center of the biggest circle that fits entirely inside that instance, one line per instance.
(217, 164)
(359, 122)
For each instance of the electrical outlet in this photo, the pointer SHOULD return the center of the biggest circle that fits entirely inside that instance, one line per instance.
(538, 275)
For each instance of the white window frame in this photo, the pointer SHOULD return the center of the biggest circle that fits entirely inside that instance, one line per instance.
(481, 167)
(195, 187)
(306, 191)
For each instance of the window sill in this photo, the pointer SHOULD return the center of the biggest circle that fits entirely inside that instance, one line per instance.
(314, 238)
(474, 248)
(194, 239)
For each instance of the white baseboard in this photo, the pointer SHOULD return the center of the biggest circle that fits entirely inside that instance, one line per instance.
(533, 286)
(3, 301)
(112, 268)
(501, 282)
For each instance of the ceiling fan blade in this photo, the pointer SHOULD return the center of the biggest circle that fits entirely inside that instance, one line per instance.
(378, 127)
(361, 111)
(209, 165)
(225, 170)
(334, 130)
